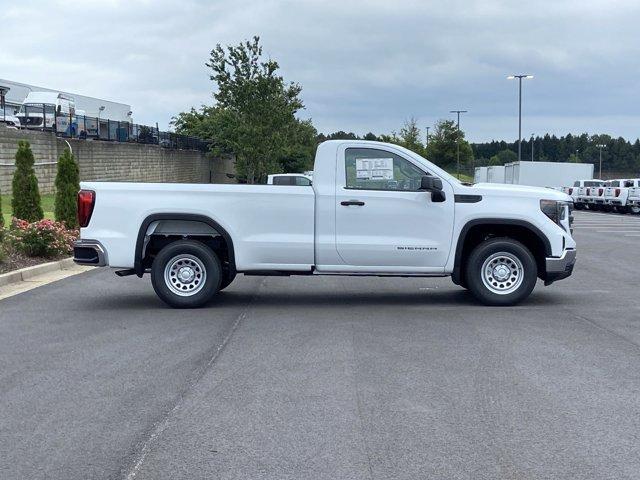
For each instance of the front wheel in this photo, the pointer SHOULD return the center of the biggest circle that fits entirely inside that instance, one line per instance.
(501, 272)
(186, 274)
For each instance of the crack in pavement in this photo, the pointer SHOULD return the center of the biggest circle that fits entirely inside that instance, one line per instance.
(144, 448)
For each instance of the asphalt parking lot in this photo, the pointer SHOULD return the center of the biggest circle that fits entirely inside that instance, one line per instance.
(329, 377)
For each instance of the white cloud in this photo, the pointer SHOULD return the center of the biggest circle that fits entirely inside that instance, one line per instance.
(363, 65)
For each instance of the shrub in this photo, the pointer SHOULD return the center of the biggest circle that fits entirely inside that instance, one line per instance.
(26, 196)
(1, 220)
(44, 238)
(67, 186)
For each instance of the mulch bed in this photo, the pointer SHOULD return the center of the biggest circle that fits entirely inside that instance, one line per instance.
(14, 261)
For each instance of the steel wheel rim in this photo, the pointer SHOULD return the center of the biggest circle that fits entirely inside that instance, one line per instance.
(185, 275)
(502, 273)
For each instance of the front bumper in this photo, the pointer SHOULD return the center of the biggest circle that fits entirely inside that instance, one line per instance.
(559, 267)
(609, 201)
(90, 252)
(635, 202)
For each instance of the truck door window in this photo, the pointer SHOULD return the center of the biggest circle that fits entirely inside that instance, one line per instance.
(372, 169)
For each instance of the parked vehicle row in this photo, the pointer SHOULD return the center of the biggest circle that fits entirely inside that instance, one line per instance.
(619, 195)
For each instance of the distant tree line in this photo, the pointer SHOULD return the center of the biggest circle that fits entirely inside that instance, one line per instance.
(254, 118)
(618, 154)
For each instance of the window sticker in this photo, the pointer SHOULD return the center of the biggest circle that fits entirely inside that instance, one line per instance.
(374, 168)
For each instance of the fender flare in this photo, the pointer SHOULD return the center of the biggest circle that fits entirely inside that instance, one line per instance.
(137, 263)
(457, 264)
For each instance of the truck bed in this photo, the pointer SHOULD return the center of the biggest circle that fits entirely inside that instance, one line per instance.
(272, 225)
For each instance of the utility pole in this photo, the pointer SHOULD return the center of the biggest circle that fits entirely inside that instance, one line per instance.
(458, 141)
(427, 136)
(519, 77)
(600, 147)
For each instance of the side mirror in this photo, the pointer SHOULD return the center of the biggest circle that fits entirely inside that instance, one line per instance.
(433, 185)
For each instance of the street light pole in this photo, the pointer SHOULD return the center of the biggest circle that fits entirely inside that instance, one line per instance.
(427, 136)
(519, 77)
(600, 147)
(458, 141)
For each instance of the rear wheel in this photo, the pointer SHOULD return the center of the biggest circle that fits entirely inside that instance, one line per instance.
(634, 209)
(186, 274)
(501, 272)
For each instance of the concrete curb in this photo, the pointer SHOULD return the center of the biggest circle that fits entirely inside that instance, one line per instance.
(30, 272)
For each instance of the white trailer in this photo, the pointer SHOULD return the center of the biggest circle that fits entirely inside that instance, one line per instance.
(546, 174)
(480, 175)
(495, 174)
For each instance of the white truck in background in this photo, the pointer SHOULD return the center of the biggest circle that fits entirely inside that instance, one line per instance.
(580, 191)
(634, 199)
(373, 209)
(546, 174)
(616, 195)
(299, 179)
(49, 110)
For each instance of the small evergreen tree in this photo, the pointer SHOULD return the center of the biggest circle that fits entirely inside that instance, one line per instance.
(26, 196)
(67, 186)
(1, 219)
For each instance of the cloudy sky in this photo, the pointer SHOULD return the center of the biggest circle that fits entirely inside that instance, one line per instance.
(363, 65)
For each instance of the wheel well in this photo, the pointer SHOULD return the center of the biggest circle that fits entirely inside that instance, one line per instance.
(160, 230)
(474, 235)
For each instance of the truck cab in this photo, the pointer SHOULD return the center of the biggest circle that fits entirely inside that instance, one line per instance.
(48, 110)
(373, 209)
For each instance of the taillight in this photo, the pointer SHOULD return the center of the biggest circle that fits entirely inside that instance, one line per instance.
(600, 192)
(588, 192)
(571, 191)
(86, 201)
(617, 192)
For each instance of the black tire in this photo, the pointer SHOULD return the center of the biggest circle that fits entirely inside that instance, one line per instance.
(227, 279)
(520, 280)
(196, 257)
(579, 206)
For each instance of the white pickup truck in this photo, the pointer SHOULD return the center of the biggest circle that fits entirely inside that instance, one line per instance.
(616, 195)
(580, 190)
(373, 209)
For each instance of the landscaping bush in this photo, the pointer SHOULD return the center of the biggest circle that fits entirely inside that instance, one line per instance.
(67, 186)
(44, 238)
(26, 196)
(1, 220)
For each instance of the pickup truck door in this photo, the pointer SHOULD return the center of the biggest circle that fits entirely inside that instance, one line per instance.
(383, 219)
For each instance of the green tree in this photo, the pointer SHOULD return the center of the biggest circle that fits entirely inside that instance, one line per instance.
(254, 112)
(410, 136)
(442, 148)
(67, 186)
(25, 202)
(503, 157)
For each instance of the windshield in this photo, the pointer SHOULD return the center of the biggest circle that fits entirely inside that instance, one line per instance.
(38, 108)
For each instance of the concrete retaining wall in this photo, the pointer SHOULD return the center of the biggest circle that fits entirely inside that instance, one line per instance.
(110, 161)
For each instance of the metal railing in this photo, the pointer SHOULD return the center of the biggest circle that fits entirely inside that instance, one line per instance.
(68, 125)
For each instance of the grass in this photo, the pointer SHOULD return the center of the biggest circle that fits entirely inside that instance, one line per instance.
(47, 207)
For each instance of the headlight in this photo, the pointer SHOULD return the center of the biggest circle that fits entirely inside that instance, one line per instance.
(558, 212)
